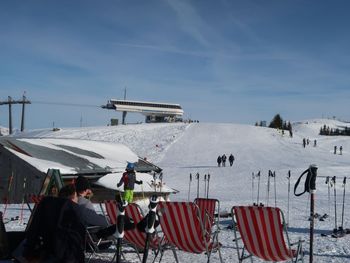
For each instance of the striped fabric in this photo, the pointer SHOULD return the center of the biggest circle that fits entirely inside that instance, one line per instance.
(133, 236)
(207, 210)
(35, 198)
(261, 230)
(181, 226)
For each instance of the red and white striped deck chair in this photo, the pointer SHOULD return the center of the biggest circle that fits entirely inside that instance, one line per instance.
(33, 199)
(183, 227)
(134, 237)
(208, 209)
(263, 231)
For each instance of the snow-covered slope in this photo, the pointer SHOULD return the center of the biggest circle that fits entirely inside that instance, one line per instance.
(181, 149)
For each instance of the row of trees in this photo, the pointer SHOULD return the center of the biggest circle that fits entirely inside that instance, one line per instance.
(325, 130)
(277, 123)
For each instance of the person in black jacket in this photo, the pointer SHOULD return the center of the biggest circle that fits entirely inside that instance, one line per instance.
(219, 160)
(223, 158)
(88, 217)
(56, 233)
(231, 158)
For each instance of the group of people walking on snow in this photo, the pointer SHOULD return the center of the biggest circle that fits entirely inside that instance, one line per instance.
(222, 160)
(307, 142)
(340, 150)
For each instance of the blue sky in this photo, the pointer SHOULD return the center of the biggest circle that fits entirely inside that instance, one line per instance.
(223, 61)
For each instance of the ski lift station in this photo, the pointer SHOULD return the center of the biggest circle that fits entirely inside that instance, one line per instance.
(153, 111)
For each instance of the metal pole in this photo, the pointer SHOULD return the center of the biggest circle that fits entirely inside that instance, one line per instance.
(208, 185)
(120, 228)
(274, 183)
(10, 114)
(197, 177)
(288, 177)
(205, 185)
(189, 188)
(312, 182)
(268, 188)
(257, 202)
(335, 205)
(342, 214)
(312, 210)
(22, 119)
(150, 225)
(329, 195)
(253, 187)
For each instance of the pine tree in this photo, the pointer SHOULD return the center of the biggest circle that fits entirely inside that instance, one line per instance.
(277, 122)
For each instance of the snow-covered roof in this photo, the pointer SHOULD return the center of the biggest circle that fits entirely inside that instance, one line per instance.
(149, 184)
(71, 156)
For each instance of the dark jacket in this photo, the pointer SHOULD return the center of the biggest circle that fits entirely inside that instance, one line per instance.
(56, 233)
(129, 180)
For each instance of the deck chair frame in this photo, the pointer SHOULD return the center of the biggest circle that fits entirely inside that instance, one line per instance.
(183, 226)
(93, 243)
(264, 234)
(210, 211)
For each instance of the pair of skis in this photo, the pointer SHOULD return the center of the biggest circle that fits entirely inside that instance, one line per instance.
(258, 175)
(339, 231)
(156, 184)
(206, 185)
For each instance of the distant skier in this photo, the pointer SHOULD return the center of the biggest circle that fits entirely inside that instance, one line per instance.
(223, 158)
(129, 180)
(335, 149)
(231, 158)
(341, 150)
(219, 161)
(315, 143)
(304, 142)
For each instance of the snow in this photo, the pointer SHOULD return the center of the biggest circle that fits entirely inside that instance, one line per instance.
(183, 149)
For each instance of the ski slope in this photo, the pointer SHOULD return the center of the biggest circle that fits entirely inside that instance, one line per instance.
(183, 149)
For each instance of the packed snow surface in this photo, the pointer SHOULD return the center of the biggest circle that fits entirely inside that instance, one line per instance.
(182, 149)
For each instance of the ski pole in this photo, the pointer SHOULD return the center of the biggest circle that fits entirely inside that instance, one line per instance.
(312, 186)
(268, 188)
(335, 205)
(23, 197)
(288, 177)
(208, 185)
(155, 182)
(161, 181)
(205, 185)
(257, 202)
(8, 193)
(150, 225)
(197, 177)
(253, 187)
(274, 183)
(329, 195)
(119, 233)
(189, 188)
(342, 213)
